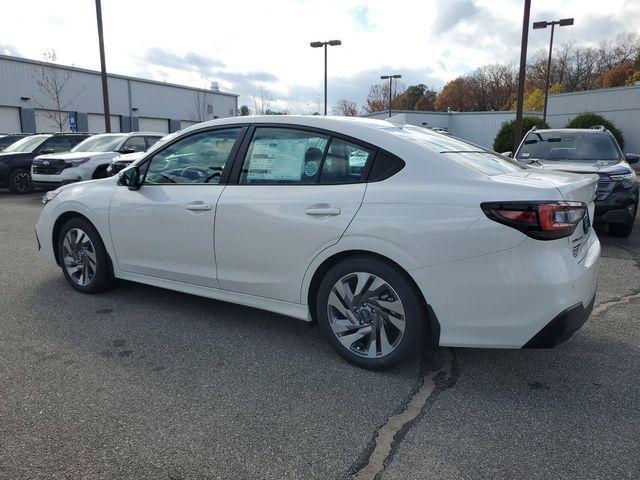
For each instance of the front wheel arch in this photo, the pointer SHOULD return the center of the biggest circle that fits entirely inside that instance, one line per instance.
(57, 228)
(433, 327)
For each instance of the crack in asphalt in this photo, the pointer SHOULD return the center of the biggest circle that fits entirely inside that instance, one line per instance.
(389, 436)
(602, 307)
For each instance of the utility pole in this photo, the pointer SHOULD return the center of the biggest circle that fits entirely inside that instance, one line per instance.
(103, 70)
(522, 73)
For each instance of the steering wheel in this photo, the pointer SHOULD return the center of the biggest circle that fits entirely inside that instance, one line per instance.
(202, 172)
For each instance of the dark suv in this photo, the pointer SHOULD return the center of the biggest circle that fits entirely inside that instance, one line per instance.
(16, 159)
(7, 139)
(593, 150)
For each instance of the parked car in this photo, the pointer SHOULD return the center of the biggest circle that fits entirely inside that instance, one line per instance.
(269, 212)
(121, 162)
(16, 159)
(7, 139)
(89, 159)
(590, 151)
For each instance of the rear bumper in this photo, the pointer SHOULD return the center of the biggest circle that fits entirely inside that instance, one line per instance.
(562, 327)
(506, 299)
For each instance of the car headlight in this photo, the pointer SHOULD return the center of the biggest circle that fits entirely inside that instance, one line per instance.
(627, 180)
(76, 162)
(47, 197)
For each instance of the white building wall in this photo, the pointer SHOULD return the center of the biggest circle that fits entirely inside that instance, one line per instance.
(154, 125)
(620, 105)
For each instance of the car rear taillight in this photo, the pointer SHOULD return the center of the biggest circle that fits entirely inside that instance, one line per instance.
(540, 220)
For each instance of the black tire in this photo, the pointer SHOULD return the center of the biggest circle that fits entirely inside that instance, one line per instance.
(103, 278)
(621, 231)
(20, 181)
(415, 314)
(100, 172)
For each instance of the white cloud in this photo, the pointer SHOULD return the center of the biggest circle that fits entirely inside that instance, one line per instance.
(246, 44)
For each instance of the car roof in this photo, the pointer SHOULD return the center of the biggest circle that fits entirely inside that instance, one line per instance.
(569, 130)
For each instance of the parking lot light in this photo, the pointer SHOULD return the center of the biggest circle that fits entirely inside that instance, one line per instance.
(333, 43)
(564, 22)
(390, 77)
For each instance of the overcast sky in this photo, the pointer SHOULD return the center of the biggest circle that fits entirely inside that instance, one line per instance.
(246, 44)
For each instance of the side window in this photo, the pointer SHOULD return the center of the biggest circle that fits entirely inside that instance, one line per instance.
(283, 155)
(58, 144)
(150, 141)
(136, 144)
(198, 158)
(344, 163)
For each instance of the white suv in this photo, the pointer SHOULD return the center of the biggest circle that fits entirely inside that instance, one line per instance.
(89, 159)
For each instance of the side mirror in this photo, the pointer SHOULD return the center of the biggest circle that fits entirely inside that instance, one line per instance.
(127, 150)
(632, 157)
(507, 154)
(130, 178)
(47, 150)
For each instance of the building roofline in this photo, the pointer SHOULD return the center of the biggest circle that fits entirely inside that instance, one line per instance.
(431, 112)
(113, 75)
(595, 90)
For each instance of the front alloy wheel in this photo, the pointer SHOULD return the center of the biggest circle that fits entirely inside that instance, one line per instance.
(79, 257)
(371, 312)
(20, 181)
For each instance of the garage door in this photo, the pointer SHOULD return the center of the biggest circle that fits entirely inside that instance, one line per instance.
(186, 123)
(147, 124)
(47, 121)
(95, 122)
(9, 120)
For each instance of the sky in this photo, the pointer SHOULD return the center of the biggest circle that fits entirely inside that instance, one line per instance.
(246, 45)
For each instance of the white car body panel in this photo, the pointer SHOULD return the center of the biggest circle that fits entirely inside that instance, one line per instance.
(488, 284)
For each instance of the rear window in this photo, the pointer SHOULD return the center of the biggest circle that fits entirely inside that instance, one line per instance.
(458, 150)
(568, 146)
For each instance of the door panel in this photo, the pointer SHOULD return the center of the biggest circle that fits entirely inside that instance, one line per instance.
(267, 235)
(166, 231)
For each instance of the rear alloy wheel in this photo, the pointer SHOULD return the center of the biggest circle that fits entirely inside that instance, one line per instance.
(370, 313)
(20, 181)
(83, 258)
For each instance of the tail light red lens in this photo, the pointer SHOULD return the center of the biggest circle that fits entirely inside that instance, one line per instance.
(540, 220)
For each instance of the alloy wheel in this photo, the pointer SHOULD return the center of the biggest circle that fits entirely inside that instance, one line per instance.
(366, 315)
(79, 256)
(22, 182)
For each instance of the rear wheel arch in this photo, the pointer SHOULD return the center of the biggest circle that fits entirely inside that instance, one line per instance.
(433, 327)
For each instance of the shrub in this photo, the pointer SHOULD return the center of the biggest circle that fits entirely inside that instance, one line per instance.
(588, 120)
(504, 140)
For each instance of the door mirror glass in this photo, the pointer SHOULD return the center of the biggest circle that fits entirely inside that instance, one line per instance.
(632, 157)
(130, 178)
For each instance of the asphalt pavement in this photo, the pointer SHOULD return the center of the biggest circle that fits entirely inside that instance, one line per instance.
(147, 383)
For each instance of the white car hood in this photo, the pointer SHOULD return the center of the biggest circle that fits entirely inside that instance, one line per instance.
(74, 155)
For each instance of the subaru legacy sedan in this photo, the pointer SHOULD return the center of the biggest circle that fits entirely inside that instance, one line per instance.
(389, 236)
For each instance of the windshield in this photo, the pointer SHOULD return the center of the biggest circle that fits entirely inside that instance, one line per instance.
(99, 143)
(568, 146)
(461, 151)
(27, 144)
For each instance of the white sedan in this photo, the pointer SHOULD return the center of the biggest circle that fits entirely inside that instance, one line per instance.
(390, 236)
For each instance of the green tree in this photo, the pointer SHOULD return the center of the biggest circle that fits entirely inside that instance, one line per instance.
(589, 119)
(504, 140)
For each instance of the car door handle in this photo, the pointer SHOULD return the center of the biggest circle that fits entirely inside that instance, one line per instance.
(322, 210)
(198, 206)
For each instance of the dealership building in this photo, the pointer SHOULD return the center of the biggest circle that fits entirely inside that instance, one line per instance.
(28, 91)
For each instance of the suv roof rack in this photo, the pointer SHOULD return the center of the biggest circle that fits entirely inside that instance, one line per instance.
(598, 127)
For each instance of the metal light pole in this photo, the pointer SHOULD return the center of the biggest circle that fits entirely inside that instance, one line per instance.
(103, 69)
(333, 43)
(544, 24)
(521, 74)
(390, 77)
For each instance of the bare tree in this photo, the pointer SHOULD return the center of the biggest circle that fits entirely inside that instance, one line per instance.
(53, 83)
(262, 101)
(345, 108)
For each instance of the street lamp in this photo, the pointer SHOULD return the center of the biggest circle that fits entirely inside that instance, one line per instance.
(333, 43)
(390, 77)
(565, 22)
